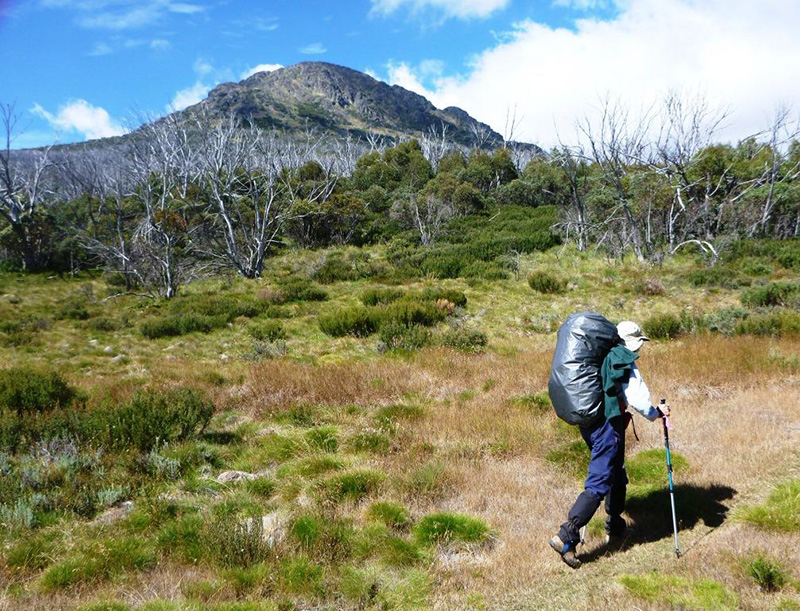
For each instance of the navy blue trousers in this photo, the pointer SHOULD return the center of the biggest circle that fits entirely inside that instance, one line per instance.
(606, 478)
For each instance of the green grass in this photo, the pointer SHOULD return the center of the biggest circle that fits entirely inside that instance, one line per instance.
(649, 467)
(680, 592)
(767, 573)
(445, 528)
(780, 512)
(351, 485)
(392, 515)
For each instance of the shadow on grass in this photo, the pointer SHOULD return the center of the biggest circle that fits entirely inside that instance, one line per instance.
(652, 515)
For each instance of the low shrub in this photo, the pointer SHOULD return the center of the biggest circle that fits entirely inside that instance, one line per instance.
(714, 276)
(267, 331)
(237, 543)
(446, 528)
(461, 338)
(408, 313)
(725, 320)
(154, 417)
(776, 323)
(663, 326)
(296, 288)
(104, 324)
(267, 350)
(773, 294)
(181, 324)
(455, 297)
(544, 282)
(74, 309)
(649, 287)
(398, 336)
(28, 391)
(355, 320)
(301, 576)
(381, 296)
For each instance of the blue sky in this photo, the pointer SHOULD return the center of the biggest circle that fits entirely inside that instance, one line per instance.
(86, 68)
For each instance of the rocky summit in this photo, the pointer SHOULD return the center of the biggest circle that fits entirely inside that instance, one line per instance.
(340, 100)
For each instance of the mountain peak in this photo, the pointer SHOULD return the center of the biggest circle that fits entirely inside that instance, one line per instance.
(340, 100)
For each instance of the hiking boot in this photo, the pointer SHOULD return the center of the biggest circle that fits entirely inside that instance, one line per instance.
(566, 551)
(618, 540)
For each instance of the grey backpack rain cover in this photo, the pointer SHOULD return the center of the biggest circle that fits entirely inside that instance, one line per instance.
(576, 386)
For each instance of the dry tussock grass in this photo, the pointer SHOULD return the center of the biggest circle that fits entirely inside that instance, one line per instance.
(736, 423)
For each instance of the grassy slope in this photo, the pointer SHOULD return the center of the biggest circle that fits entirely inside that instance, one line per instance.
(476, 446)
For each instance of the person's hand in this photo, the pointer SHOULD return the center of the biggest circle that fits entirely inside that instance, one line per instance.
(664, 410)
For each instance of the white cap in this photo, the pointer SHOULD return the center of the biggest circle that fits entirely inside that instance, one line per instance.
(631, 334)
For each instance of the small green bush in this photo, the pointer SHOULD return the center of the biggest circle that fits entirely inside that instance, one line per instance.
(663, 326)
(381, 296)
(184, 539)
(455, 297)
(725, 320)
(296, 288)
(355, 320)
(461, 338)
(398, 336)
(776, 323)
(104, 324)
(74, 309)
(768, 574)
(268, 331)
(236, 543)
(154, 417)
(181, 324)
(714, 276)
(544, 282)
(408, 313)
(446, 528)
(28, 391)
(773, 294)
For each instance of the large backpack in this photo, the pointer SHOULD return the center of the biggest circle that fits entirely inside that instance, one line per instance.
(576, 386)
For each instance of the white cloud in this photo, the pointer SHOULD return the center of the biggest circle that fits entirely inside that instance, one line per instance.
(260, 68)
(82, 117)
(315, 48)
(100, 48)
(189, 96)
(463, 9)
(201, 67)
(159, 44)
(121, 14)
(208, 77)
(743, 55)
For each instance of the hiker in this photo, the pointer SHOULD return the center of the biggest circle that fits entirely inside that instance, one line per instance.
(623, 387)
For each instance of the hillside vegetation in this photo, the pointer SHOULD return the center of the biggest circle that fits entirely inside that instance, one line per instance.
(347, 433)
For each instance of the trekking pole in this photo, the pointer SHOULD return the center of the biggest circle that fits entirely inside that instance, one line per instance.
(667, 426)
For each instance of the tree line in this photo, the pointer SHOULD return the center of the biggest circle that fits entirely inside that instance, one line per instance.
(190, 195)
